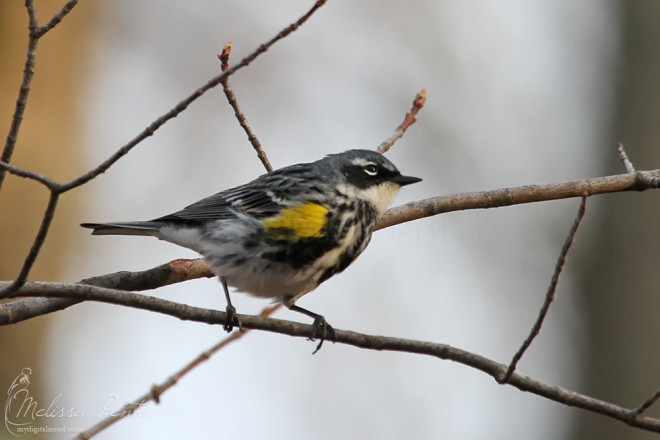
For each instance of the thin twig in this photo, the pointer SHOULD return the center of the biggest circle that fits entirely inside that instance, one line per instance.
(371, 342)
(32, 18)
(35, 33)
(550, 294)
(643, 178)
(23, 92)
(624, 159)
(231, 98)
(645, 405)
(182, 105)
(157, 390)
(57, 18)
(408, 120)
(48, 183)
(35, 248)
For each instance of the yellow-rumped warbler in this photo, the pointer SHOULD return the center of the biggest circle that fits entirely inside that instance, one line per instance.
(286, 232)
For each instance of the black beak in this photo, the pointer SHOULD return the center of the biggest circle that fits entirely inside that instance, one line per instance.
(406, 180)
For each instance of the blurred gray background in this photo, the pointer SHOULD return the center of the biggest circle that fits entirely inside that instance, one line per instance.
(519, 92)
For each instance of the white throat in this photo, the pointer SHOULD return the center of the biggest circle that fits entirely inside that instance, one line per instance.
(379, 196)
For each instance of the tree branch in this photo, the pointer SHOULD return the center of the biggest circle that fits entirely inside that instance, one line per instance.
(638, 181)
(408, 120)
(551, 293)
(157, 390)
(169, 273)
(240, 116)
(23, 92)
(425, 208)
(181, 106)
(34, 249)
(57, 18)
(371, 342)
(57, 189)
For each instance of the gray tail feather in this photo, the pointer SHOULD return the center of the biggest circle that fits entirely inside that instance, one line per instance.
(124, 228)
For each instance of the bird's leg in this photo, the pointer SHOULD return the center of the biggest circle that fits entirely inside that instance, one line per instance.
(321, 330)
(231, 310)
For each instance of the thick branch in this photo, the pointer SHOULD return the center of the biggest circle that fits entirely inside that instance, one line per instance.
(170, 273)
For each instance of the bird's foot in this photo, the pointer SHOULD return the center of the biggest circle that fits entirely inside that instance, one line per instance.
(321, 330)
(231, 318)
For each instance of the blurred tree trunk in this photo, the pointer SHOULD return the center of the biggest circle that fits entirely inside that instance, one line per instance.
(50, 133)
(620, 274)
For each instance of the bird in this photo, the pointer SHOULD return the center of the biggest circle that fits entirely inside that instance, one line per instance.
(283, 234)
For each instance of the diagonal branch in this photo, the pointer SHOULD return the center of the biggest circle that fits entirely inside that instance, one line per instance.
(156, 390)
(35, 248)
(20, 172)
(240, 116)
(645, 405)
(551, 293)
(408, 120)
(182, 105)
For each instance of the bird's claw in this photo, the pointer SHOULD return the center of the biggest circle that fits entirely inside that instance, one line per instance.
(231, 317)
(321, 330)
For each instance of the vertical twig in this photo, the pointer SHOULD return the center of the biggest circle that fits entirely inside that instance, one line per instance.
(23, 91)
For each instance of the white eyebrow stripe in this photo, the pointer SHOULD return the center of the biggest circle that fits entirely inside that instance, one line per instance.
(361, 161)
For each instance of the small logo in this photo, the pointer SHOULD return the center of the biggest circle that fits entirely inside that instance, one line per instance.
(18, 402)
(23, 414)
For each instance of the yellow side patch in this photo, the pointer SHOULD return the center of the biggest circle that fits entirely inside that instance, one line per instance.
(306, 220)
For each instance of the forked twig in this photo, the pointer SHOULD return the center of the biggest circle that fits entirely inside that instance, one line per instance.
(35, 33)
(56, 188)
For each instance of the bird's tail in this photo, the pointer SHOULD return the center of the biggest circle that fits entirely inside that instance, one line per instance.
(149, 228)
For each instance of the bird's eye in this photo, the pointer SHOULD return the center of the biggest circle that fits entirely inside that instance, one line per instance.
(371, 169)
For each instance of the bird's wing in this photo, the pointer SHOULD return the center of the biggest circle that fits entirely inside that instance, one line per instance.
(261, 198)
